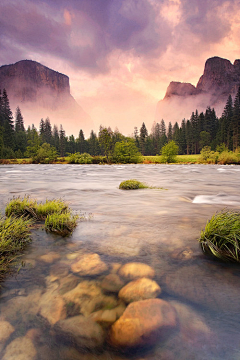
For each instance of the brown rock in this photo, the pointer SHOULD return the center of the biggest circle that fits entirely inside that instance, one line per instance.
(112, 283)
(83, 332)
(49, 257)
(115, 267)
(6, 329)
(108, 316)
(140, 289)
(52, 307)
(142, 323)
(182, 254)
(21, 348)
(89, 296)
(135, 270)
(20, 307)
(67, 284)
(58, 271)
(89, 264)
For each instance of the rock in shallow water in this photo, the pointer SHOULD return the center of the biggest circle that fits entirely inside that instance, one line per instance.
(21, 348)
(136, 270)
(208, 285)
(112, 283)
(52, 307)
(80, 331)
(140, 289)
(88, 265)
(142, 323)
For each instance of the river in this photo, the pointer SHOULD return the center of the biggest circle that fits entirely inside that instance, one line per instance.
(157, 227)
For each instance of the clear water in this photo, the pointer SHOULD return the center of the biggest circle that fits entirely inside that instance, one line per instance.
(149, 226)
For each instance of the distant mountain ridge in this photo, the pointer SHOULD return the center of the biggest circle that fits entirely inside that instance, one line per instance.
(220, 78)
(40, 92)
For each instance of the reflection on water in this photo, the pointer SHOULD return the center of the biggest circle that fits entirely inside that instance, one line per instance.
(65, 300)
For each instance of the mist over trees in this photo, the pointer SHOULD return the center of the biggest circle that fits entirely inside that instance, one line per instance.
(192, 135)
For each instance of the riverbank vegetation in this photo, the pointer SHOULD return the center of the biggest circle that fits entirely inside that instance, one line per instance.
(21, 213)
(14, 236)
(221, 236)
(132, 184)
(193, 136)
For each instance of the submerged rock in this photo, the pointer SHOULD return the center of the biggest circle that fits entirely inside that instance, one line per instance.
(58, 271)
(182, 254)
(108, 316)
(136, 270)
(112, 283)
(140, 289)
(6, 330)
(21, 348)
(88, 296)
(143, 323)
(67, 283)
(52, 307)
(193, 327)
(208, 285)
(89, 264)
(49, 257)
(80, 331)
(20, 308)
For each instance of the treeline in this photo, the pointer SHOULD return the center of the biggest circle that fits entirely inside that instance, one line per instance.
(201, 130)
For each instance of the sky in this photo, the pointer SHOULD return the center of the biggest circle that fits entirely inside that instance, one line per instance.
(120, 55)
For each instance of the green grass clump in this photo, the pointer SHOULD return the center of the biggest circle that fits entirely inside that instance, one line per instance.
(21, 207)
(30, 208)
(132, 185)
(57, 206)
(61, 224)
(221, 236)
(14, 236)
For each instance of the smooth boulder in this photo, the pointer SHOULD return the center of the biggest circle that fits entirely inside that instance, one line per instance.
(21, 348)
(143, 323)
(140, 289)
(88, 265)
(136, 270)
(80, 331)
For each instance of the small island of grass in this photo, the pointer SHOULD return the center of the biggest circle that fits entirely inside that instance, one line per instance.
(221, 236)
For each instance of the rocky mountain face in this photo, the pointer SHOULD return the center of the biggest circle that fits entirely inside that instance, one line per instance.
(41, 92)
(220, 78)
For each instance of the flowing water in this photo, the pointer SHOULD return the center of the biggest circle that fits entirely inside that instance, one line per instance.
(158, 227)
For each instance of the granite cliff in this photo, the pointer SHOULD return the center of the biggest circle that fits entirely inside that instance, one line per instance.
(42, 92)
(220, 78)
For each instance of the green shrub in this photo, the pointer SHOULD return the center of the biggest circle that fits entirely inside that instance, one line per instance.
(169, 152)
(228, 157)
(78, 158)
(132, 185)
(208, 156)
(61, 224)
(126, 152)
(222, 235)
(99, 159)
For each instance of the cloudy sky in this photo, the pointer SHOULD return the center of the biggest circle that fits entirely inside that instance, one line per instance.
(120, 55)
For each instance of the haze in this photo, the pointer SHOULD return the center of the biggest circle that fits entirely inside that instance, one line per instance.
(120, 55)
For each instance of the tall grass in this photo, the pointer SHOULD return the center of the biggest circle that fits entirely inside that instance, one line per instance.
(27, 207)
(221, 236)
(14, 236)
(61, 224)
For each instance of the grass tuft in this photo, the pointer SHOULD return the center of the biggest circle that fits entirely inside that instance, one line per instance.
(132, 185)
(31, 209)
(221, 236)
(14, 236)
(61, 224)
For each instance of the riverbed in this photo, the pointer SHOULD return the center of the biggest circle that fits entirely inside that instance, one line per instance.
(157, 227)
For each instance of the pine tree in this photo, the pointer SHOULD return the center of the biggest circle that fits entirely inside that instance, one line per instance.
(93, 144)
(81, 142)
(19, 124)
(8, 125)
(56, 137)
(48, 131)
(143, 138)
(62, 141)
(236, 121)
(170, 132)
(226, 124)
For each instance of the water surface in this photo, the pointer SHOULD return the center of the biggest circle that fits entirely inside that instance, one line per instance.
(157, 227)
